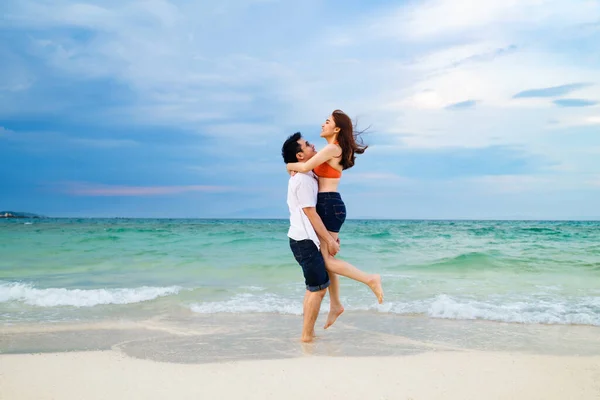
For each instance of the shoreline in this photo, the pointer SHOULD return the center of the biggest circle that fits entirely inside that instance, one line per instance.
(205, 338)
(124, 323)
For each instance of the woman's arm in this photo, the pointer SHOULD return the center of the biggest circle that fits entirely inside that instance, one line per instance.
(324, 155)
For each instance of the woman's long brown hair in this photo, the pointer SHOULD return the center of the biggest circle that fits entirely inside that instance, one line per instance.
(348, 138)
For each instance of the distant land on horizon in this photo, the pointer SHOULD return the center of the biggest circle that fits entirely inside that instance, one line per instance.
(18, 214)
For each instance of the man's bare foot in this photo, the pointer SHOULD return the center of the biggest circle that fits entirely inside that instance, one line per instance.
(375, 285)
(307, 339)
(334, 313)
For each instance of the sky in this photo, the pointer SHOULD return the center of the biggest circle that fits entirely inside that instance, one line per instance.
(178, 109)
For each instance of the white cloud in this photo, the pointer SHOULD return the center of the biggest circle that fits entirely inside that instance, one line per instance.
(42, 140)
(235, 66)
(497, 81)
(494, 51)
(165, 53)
(436, 18)
(376, 178)
(594, 181)
(454, 56)
(593, 120)
(559, 180)
(103, 143)
(578, 117)
(240, 167)
(248, 131)
(102, 190)
(509, 183)
(5, 132)
(187, 69)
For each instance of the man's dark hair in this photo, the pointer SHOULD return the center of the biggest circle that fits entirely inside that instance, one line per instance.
(291, 147)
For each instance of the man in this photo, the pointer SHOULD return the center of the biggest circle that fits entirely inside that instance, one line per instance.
(305, 230)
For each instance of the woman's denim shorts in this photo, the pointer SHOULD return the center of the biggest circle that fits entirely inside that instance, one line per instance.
(332, 210)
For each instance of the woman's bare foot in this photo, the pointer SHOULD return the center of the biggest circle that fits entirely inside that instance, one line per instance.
(334, 313)
(375, 285)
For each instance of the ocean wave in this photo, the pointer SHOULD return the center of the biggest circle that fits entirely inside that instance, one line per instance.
(540, 229)
(466, 260)
(249, 240)
(380, 235)
(581, 311)
(228, 233)
(247, 302)
(54, 297)
(103, 238)
(483, 231)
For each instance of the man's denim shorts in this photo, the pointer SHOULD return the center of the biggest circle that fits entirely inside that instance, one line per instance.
(313, 265)
(332, 210)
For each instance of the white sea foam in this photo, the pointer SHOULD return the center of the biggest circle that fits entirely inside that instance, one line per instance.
(583, 310)
(247, 302)
(254, 288)
(53, 297)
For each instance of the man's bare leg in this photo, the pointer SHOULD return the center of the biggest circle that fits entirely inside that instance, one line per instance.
(348, 270)
(306, 294)
(312, 306)
(304, 301)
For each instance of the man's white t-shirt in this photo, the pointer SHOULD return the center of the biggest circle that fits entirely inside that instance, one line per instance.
(302, 192)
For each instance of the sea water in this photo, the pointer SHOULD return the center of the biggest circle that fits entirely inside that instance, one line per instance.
(529, 272)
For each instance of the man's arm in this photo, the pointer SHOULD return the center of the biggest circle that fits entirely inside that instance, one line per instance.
(322, 232)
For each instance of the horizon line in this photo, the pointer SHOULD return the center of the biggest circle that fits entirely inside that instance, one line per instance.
(572, 219)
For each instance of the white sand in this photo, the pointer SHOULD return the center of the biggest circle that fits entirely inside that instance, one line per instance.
(435, 375)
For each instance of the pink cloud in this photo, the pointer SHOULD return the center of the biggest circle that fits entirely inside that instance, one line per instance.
(88, 189)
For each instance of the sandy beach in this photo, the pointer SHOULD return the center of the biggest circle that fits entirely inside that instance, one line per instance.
(257, 356)
(433, 375)
(181, 354)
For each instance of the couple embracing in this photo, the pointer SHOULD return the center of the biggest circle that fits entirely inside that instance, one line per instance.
(317, 213)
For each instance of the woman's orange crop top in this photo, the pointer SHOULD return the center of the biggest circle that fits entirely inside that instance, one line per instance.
(326, 171)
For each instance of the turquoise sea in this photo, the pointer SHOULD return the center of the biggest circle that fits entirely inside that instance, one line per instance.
(528, 272)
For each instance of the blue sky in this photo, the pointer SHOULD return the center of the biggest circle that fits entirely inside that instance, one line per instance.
(179, 109)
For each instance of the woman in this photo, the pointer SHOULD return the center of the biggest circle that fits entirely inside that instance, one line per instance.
(328, 164)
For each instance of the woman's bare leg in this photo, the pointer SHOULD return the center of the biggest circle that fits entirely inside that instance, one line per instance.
(340, 267)
(335, 305)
